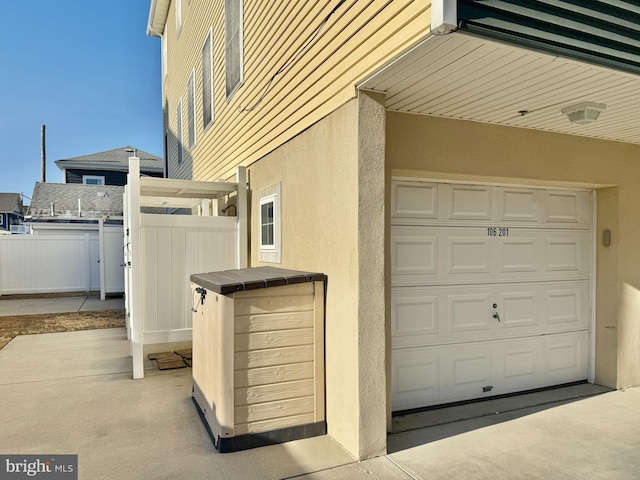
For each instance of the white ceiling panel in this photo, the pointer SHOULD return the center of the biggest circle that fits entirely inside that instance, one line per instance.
(471, 78)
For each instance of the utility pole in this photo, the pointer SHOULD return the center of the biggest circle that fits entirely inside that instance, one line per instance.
(43, 154)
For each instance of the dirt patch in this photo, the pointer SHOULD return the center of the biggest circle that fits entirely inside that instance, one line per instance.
(13, 326)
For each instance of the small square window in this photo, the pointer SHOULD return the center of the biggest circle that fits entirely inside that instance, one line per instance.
(270, 226)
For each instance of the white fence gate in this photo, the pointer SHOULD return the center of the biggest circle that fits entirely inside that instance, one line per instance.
(173, 248)
(53, 263)
(162, 251)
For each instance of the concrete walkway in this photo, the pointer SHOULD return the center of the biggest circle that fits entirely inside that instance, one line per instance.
(14, 305)
(72, 393)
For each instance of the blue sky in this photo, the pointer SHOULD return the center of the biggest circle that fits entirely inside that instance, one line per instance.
(84, 68)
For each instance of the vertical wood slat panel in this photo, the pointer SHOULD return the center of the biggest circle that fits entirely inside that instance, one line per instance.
(171, 254)
(192, 264)
(149, 237)
(179, 279)
(163, 261)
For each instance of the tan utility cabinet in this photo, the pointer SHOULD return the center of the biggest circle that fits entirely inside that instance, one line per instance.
(258, 355)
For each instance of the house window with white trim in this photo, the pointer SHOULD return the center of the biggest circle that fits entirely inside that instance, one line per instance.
(267, 223)
(93, 179)
(270, 227)
(234, 68)
(207, 82)
(191, 109)
(164, 54)
(178, 17)
(179, 130)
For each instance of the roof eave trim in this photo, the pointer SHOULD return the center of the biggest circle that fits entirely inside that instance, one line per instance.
(158, 12)
(108, 168)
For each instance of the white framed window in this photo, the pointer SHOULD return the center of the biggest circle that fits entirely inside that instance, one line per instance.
(93, 179)
(191, 109)
(269, 224)
(179, 130)
(178, 17)
(164, 54)
(234, 41)
(208, 114)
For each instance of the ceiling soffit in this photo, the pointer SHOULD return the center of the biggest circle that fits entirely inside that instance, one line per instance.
(465, 76)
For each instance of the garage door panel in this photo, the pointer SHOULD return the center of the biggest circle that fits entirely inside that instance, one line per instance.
(490, 290)
(518, 255)
(414, 200)
(521, 365)
(422, 255)
(468, 255)
(469, 202)
(568, 307)
(432, 375)
(414, 256)
(421, 202)
(566, 357)
(563, 254)
(567, 207)
(469, 370)
(414, 312)
(415, 378)
(519, 309)
(449, 314)
(469, 313)
(519, 205)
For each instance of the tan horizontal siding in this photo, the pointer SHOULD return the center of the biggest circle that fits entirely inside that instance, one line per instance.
(361, 37)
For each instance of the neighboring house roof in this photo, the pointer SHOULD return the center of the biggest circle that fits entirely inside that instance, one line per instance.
(95, 201)
(11, 203)
(115, 160)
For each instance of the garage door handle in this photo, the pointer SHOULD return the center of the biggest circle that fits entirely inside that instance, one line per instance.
(496, 316)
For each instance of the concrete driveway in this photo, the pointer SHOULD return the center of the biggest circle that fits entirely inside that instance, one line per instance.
(72, 393)
(16, 305)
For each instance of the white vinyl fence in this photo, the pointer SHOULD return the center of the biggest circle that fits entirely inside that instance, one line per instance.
(173, 248)
(61, 263)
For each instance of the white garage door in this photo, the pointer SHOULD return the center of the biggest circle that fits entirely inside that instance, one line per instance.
(490, 290)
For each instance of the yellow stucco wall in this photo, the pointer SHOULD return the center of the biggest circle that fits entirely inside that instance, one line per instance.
(452, 149)
(318, 171)
(333, 220)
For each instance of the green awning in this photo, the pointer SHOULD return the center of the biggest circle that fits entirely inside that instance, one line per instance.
(603, 32)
